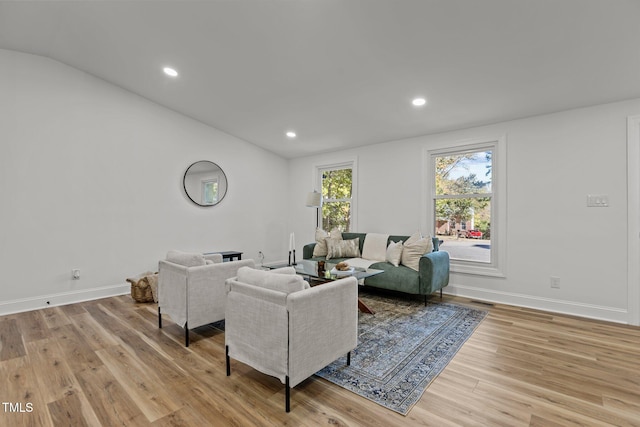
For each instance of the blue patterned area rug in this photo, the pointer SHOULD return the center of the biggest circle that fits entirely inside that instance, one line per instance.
(402, 348)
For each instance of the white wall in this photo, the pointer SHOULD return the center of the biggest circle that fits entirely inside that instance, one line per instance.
(553, 162)
(91, 178)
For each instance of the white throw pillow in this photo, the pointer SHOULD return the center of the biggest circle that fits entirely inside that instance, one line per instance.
(413, 238)
(375, 246)
(414, 249)
(186, 259)
(394, 253)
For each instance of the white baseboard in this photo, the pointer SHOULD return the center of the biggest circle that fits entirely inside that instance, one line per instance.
(63, 298)
(591, 311)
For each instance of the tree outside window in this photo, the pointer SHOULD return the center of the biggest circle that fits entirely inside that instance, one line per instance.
(337, 186)
(463, 196)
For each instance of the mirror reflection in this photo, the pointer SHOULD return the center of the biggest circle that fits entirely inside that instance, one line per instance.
(205, 183)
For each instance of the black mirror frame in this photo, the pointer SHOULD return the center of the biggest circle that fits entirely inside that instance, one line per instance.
(184, 185)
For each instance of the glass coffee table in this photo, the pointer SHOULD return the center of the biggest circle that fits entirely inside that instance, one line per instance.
(309, 269)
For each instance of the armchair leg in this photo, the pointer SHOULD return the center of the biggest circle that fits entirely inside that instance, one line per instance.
(226, 354)
(440, 293)
(425, 300)
(349, 359)
(159, 318)
(186, 334)
(287, 396)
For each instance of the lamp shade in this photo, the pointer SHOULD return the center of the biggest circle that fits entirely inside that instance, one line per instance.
(314, 200)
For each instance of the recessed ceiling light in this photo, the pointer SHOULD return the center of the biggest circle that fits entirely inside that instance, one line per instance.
(170, 72)
(291, 134)
(419, 102)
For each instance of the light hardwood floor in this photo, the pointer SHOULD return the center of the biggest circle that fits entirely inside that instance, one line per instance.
(106, 363)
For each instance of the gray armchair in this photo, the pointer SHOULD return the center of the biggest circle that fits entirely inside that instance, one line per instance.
(281, 327)
(191, 288)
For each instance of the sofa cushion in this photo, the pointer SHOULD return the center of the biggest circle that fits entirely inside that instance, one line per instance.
(375, 246)
(401, 278)
(394, 253)
(285, 280)
(343, 248)
(186, 259)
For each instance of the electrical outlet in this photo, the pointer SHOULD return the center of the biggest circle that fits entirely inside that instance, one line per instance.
(555, 282)
(75, 274)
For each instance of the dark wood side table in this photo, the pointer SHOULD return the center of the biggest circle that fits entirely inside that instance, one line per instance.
(228, 255)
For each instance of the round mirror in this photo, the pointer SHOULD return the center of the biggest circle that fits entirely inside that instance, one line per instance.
(205, 183)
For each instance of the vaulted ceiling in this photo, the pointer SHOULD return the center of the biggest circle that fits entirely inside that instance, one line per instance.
(343, 73)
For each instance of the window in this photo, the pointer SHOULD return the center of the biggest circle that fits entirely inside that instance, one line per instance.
(466, 206)
(210, 191)
(337, 188)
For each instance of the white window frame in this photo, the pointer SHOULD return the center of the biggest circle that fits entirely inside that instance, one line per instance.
(497, 146)
(350, 164)
(205, 183)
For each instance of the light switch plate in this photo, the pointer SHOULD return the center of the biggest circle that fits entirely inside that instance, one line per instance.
(597, 200)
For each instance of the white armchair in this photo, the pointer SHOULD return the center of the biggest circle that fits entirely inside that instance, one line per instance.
(191, 288)
(281, 327)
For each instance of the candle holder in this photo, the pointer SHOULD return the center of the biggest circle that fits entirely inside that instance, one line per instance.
(292, 248)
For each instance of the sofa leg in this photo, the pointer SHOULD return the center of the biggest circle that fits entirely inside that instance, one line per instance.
(425, 300)
(349, 359)
(159, 318)
(287, 396)
(186, 334)
(226, 353)
(440, 293)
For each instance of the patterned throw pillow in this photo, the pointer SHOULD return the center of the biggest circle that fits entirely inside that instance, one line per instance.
(320, 249)
(343, 248)
(335, 233)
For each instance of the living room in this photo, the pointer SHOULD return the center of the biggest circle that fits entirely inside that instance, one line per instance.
(92, 180)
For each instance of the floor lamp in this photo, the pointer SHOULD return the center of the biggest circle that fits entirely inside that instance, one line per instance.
(314, 200)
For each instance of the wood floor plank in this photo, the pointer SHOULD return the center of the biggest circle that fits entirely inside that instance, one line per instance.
(93, 333)
(71, 310)
(547, 401)
(109, 322)
(11, 344)
(110, 402)
(19, 391)
(106, 362)
(32, 325)
(67, 411)
(140, 383)
(55, 316)
(77, 351)
(152, 356)
(55, 378)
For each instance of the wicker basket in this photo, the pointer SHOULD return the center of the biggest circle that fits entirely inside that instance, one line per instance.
(143, 287)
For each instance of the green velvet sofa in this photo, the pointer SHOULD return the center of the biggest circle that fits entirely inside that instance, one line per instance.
(433, 273)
